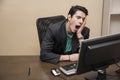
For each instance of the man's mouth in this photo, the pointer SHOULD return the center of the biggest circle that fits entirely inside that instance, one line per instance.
(77, 26)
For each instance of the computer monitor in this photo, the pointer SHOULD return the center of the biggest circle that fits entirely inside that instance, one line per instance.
(98, 53)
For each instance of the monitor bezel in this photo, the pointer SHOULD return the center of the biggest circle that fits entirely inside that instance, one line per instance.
(82, 67)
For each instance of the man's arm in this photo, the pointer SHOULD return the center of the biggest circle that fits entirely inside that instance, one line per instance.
(47, 53)
(72, 57)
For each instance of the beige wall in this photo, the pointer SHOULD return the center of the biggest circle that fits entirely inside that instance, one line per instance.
(18, 33)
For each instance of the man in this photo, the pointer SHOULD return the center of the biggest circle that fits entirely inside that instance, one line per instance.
(62, 39)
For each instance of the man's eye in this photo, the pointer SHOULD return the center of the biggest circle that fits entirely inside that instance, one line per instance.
(78, 17)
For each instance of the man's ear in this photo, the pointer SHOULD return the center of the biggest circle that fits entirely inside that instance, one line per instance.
(69, 17)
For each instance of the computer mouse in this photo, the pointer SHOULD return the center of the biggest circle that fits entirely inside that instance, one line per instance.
(55, 72)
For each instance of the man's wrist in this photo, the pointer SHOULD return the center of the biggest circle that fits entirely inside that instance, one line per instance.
(69, 57)
(79, 38)
(65, 58)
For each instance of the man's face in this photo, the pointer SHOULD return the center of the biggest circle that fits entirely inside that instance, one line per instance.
(76, 21)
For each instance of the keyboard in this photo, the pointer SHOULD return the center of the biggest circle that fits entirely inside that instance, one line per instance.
(69, 69)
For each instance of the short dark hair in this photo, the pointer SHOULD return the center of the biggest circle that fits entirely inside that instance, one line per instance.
(77, 8)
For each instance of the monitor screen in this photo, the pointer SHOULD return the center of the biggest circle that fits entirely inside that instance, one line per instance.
(98, 52)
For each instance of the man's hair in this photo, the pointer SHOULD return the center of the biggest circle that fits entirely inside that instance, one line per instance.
(76, 8)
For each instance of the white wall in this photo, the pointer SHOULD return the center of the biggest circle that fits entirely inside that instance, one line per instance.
(18, 32)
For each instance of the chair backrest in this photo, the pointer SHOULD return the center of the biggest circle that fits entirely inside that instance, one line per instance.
(43, 23)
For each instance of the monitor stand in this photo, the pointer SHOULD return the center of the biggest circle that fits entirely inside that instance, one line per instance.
(101, 75)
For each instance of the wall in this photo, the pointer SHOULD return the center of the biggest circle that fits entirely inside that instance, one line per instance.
(18, 32)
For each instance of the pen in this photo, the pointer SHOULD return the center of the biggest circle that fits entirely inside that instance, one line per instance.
(29, 71)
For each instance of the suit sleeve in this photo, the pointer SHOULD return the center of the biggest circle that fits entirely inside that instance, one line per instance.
(47, 44)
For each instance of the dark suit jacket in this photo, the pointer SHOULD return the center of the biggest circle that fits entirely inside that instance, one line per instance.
(54, 42)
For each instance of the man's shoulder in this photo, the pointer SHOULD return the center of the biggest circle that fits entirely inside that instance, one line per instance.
(57, 26)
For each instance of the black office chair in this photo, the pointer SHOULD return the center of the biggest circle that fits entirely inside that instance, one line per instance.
(43, 23)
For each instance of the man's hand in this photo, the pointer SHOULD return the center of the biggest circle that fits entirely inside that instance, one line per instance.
(79, 35)
(74, 57)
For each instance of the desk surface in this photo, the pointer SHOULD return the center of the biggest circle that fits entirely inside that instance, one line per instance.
(17, 68)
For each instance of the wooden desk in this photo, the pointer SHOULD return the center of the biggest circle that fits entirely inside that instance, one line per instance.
(17, 67)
